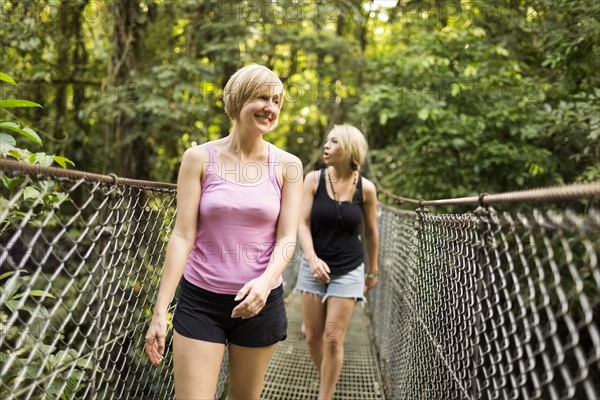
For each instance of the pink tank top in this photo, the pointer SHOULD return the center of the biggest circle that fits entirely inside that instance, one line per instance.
(237, 226)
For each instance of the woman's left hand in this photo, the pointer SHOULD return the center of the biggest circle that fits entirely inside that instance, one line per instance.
(370, 283)
(256, 292)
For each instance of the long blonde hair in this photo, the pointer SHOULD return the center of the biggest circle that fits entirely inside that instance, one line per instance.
(353, 144)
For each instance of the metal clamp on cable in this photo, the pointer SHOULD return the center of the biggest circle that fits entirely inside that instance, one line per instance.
(480, 199)
(114, 177)
(114, 189)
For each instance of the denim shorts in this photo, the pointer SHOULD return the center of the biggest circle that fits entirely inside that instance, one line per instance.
(204, 315)
(350, 285)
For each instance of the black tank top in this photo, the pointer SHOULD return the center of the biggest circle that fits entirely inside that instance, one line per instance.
(335, 228)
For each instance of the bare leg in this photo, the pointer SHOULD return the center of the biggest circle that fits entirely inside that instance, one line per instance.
(247, 369)
(196, 367)
(313, 315)
(339, 313)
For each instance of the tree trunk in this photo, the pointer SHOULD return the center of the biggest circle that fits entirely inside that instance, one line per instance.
(117, 140)
(80, 59)
(62, 69)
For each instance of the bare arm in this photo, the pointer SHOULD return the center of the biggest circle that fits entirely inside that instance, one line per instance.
(318, 267)
(287, 226)
(179, 247)
(257, 290)
(371, 231)
(308, 196)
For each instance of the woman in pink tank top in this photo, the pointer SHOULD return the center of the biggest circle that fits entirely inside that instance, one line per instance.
(238, 202)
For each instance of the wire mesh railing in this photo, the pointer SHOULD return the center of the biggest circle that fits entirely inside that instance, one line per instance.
(489, 304)
(478, 305)
(81, 256)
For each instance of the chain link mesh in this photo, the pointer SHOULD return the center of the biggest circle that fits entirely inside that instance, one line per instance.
(488, 305)
(481, 305)
(80, 265)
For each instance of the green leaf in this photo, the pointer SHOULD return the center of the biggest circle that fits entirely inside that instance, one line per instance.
(14, 103)
(62, 161)
(11, 289)
(17, 153)
(455, 89)
(502, 51)
(39, 293)
(30, 193)
(4, 358)
(75, 382)
(12, 305)
(478, 32)
(25, 131)
(84, 363)
(11, 184)
(6, 78)
(458, 143)
(34, 311)
(42, 350)
(383, 117)
(41, 158)
(7, 139)
(53, 389)
(32, 372)
(6, 274)
(423, 114)
(5, 150)
(470, 71)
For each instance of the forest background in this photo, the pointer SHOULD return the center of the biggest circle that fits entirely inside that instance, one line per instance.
(455, 97)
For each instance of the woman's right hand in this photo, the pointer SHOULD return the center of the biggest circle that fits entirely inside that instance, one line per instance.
(320, 271)
(155, 339)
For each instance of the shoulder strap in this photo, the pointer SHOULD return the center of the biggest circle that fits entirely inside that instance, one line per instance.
(210, 170)
(274, 154)
(273, 161)
(358, 195)
(321, 186)
(212, 153)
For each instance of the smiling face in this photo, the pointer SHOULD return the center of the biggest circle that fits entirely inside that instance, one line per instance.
(256, 92)
(261, 114)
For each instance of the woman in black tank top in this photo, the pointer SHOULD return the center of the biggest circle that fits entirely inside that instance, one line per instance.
(337, 202)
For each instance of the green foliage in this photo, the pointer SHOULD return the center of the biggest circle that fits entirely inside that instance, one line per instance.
(462, 97)
(8, 143)
(458, 108)
(167, 63)
(27, 348)
(40, 195)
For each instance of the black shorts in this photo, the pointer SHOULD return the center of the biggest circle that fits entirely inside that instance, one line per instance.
(204, 315)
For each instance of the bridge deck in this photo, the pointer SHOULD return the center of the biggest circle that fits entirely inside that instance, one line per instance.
(292, 374)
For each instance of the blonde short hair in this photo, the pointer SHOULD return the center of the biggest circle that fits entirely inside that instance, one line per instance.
(249, 83)
(352, 143)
